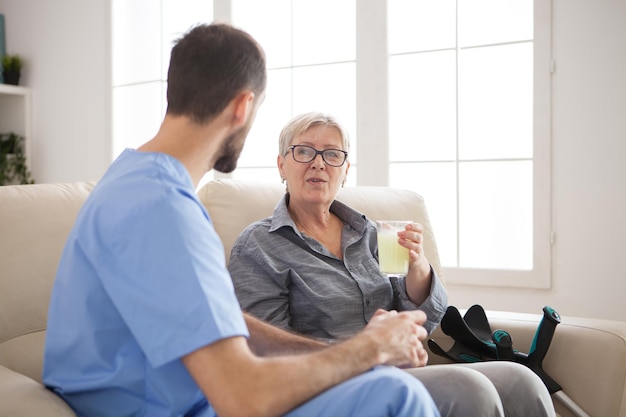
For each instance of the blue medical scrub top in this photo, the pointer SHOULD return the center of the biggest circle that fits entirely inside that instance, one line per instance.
(142, 282)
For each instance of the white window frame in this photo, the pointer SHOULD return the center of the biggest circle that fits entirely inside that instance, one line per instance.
(373, 126)
(373, 130)
(539, 277)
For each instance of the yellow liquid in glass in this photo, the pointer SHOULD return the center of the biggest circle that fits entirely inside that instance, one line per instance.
(393, 258)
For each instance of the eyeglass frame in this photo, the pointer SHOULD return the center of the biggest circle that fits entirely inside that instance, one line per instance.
(292, 147)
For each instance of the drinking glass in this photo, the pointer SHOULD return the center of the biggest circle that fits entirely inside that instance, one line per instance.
(393, 259)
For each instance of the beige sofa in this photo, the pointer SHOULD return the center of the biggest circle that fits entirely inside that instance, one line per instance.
(587, 357)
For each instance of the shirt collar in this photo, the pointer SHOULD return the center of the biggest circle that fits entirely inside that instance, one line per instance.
(348, 215)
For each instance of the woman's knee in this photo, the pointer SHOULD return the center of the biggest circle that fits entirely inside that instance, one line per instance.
(522, 392)
(512, 376)
(460, 391)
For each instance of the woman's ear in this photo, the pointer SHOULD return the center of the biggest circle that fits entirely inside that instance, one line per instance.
(280, 160)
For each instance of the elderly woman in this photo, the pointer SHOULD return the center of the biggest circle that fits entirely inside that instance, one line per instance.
(312, 268)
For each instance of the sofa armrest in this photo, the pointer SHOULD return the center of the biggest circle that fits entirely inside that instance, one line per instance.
(587, 357)
(20, 396)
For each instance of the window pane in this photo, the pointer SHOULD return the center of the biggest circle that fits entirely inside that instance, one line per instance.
(422, 103)
(421, 25)
(496, 205)
(328, 89)
(178, 17)
(136, 41)
(137, 115)
(261, 146)
(496, 102)
(275, 38)
(425, 128)
(436, 182)
(257, 174)
(494, 21)
(323, 31)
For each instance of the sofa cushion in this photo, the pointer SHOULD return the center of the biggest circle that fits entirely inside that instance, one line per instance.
(20, 396)
(35, 221)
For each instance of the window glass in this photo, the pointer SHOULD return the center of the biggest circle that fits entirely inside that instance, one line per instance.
(496, 102)
(421, 25)
(136, 41)
(460, 112)
(324, 31)
(495, 216)
(422, 106)
(484, 22)
(310, 56)
(137, 113)
(275, 37)
(460, 106)
(142, 37)
(325, 88)
(328, 89)
(268, 174)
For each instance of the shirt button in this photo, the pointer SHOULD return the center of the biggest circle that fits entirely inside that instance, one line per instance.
(367, 302)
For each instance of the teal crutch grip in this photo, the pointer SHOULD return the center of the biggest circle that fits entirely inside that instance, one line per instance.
(544, 334)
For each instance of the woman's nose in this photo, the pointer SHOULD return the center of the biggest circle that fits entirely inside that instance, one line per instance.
(318, 161)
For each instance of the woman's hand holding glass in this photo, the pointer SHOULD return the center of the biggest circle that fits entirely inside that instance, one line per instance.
(418, 277)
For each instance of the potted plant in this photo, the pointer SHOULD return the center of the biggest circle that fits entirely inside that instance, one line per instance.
(13, 168)
(11, 69)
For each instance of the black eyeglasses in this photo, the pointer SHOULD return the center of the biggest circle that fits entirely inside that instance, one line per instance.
(304, 154)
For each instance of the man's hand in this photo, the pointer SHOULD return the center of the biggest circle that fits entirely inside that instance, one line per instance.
(237, 382)
(399, 337)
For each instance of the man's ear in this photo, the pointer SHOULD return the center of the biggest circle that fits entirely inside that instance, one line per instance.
(243, 106)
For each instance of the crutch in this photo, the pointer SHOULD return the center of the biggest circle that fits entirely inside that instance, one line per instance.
(474, 342)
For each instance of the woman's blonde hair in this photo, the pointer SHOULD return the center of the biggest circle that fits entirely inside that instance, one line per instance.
(303, 122)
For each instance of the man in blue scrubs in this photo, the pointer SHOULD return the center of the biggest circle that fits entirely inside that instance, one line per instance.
(143, 319)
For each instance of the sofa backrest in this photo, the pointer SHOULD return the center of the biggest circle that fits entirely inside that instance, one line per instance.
(234, 204)
(34, 223)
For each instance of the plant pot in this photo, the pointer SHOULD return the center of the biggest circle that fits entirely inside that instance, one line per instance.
(11, 77)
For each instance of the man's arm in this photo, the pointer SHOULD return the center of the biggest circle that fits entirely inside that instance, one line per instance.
(239, 383)
(268, 340)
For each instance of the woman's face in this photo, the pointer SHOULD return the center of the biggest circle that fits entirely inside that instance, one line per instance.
(314, 182)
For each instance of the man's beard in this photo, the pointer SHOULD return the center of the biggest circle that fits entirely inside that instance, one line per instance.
(231, 149)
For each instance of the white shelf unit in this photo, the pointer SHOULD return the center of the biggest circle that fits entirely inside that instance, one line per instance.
(15, 114)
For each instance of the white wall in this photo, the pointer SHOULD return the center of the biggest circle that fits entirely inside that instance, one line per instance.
(66, 48)
(71, 111)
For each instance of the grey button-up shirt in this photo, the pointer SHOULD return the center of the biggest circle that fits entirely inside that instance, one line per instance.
(291, 280)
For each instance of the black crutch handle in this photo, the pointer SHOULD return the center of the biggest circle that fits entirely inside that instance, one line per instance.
(504, 345)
